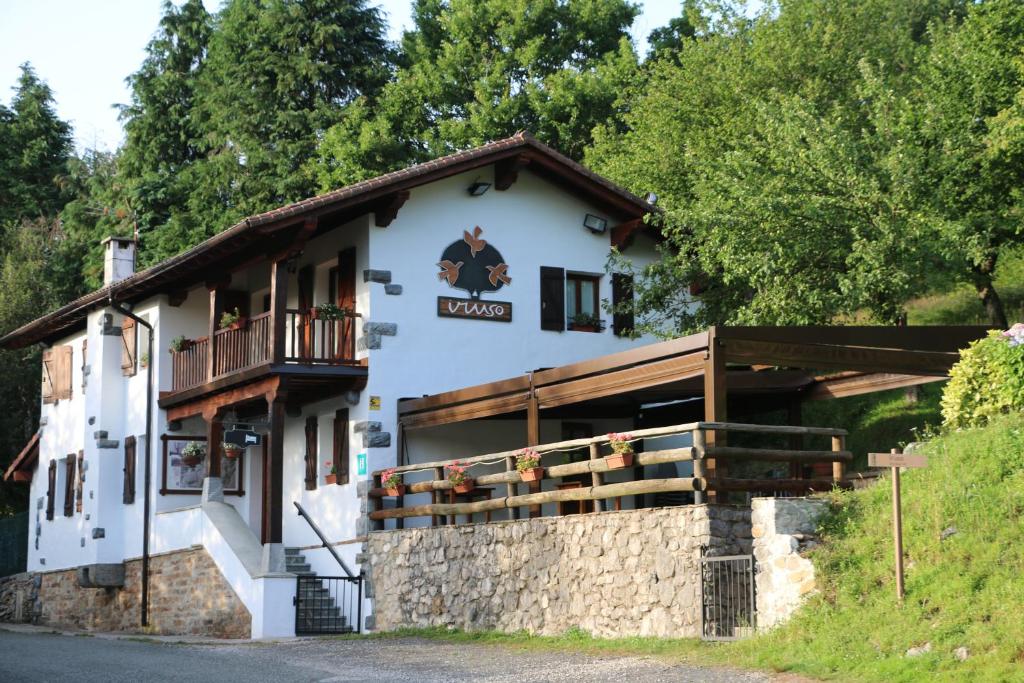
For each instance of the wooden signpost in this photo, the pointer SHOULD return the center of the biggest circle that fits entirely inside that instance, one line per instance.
(895, 460)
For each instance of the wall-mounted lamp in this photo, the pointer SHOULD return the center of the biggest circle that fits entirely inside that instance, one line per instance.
(478, 188)
(595, 224)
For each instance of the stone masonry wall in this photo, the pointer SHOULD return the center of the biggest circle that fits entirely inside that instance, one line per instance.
(783, 530)
(17, 597)
(635, 572)
(188, 596)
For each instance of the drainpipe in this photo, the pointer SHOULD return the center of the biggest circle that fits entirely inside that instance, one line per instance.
(144, 607)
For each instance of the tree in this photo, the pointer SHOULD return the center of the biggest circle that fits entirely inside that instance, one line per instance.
(477, 70)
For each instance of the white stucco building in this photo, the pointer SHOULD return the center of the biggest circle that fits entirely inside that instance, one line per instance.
(468, 269)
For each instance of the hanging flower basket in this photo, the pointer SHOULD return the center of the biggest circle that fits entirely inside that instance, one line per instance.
(466, 486)
(232, 450)
(193, 454)
(457, 476)
(391, 481)
(528, 465)
(532, 474)
(618, 461)
(622, 451)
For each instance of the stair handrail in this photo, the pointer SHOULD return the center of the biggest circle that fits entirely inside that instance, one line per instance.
(323, 540)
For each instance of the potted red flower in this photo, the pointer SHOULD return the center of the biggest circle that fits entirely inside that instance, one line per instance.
(331, 478)
(622, 451)
(391, 481)
(232, 320)
(528, 465)
(457, 476)
(231, 450)
(193, 454)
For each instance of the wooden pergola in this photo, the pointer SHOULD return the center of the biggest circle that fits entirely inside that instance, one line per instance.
(722, 366)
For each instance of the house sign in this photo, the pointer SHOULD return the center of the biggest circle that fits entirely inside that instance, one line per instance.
(474, 266)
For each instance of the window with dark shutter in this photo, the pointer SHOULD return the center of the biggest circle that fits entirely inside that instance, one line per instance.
(552, 298)
(128, 490)
(79, 481)
(311, 452)
(622, 304)
(341, 456)
(51, 488)
(69, 485)
(128, 347)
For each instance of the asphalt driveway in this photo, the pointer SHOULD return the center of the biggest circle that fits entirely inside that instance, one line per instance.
(42, 656)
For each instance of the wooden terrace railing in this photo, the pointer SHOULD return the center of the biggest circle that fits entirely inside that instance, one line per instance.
(307, 341)
(597, 467)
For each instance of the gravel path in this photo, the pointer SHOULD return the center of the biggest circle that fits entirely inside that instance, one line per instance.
(36, 656)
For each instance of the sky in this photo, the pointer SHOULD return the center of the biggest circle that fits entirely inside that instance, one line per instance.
(84, 50)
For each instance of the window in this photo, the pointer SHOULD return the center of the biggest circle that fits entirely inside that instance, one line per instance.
(128, 490)
(69, 485)
(56, 374)
(312, 452)
(51, 488)
(341, 456)
(582, 304)
(129, 347)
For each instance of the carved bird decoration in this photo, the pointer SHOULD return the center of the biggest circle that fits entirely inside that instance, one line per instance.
(499, 272)
(449, 271)
(475, 243)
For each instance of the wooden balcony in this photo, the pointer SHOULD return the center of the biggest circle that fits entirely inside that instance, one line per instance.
(310, 346)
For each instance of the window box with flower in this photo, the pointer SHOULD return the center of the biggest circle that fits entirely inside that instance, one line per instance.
(528, 465)
(457, 476)
(391, 482)
(332, 476)
(622, 451)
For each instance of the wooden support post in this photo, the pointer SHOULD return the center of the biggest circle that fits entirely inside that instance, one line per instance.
(897, 529)
(715, 399)
(699, 448)
(796, 441)
(273, 473)
(838, 444)
(214, 438)
(511, 489)
(595, 477)
(436, 495)
(278, 304)
(533, 439)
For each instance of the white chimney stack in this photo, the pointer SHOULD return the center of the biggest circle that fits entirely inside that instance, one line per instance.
(118, 259)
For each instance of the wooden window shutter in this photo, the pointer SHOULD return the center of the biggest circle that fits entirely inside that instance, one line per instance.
(311, 452)
(69, 485)
(128, 493)
(341, 455)
(552, 298)
(622, 294)
(345, 297)
(49, 376)
(128, 347)
(51, 488)
(79, 481)
(62, 356)
(85, 361)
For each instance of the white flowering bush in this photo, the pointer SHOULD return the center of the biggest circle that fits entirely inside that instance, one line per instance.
(987, 382)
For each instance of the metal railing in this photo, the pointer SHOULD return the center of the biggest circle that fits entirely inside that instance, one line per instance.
(728, 597)
(323, 539)
(328, 604)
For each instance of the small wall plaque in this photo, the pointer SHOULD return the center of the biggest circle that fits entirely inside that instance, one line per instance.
(361, 464)
(375, 403)
(451, 307)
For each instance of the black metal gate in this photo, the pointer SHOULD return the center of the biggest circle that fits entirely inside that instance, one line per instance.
(728, 604)
(328, 604)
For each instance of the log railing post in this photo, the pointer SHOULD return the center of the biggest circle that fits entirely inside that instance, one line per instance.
(436, 496)
(838, 444)
(511, 489)
(699, 448)
(595, 477)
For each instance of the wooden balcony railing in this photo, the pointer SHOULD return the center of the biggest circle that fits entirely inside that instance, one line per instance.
(552, 459)
(307, 340)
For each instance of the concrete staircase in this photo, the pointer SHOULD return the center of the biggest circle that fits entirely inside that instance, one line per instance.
(316, 609)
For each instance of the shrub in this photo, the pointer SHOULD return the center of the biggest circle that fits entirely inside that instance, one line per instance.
(987, 382)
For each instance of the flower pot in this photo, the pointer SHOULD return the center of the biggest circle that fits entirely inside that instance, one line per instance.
(466, 486)
(395, 491)
(585, 328)
(532, 474)
(314, 314)
(331, 478)
(238, 324)
(232, 453)
(190, 460)
(617, 461)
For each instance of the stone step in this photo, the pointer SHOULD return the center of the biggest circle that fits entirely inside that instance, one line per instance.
(291, 551)
(323, 629)
(322, 613)
(298, 568)
(325, 625)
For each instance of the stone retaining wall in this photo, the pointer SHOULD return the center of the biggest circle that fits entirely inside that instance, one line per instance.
(635, 572)
(188, 596)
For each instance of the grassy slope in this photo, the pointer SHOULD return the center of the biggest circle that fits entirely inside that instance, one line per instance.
(965, 591)
(960, 305)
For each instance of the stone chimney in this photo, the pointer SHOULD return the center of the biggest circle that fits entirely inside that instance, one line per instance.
(118, 259)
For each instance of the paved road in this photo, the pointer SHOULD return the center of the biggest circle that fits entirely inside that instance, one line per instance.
(82, 659)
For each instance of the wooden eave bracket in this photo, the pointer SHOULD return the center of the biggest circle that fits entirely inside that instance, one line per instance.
(176, 298)
(386, 210)
(506, 171)
(298, 242)
(623, 233)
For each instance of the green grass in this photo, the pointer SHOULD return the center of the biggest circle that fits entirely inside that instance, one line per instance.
(960, 305)
(965, 591)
